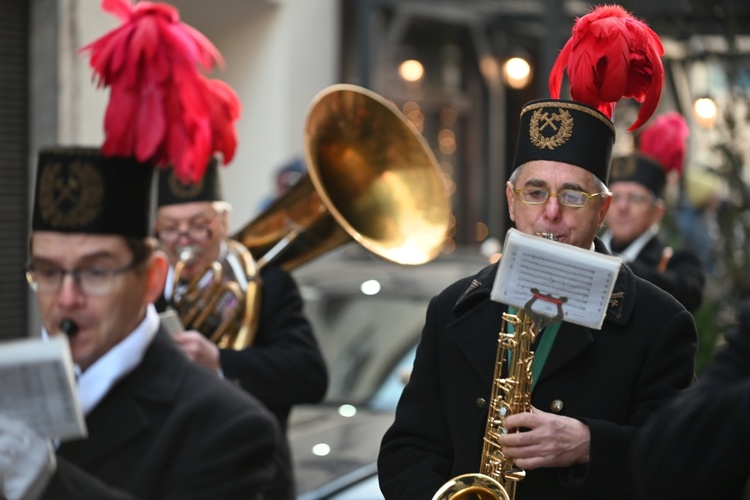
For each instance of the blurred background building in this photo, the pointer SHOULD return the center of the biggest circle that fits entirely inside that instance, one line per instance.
(459, 69)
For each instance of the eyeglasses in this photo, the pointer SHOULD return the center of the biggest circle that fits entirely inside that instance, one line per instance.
(568, 197)
(96, 281)
(632, 198)
(198, 233)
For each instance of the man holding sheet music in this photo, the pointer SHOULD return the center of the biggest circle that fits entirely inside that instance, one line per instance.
(592, 387)
(156, 424)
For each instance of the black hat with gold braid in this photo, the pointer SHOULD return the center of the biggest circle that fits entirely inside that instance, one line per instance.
(162, 111)
(173, 191)
(610, 55)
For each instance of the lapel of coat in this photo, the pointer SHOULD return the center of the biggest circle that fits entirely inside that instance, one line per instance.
(477, 326)
(120, 417)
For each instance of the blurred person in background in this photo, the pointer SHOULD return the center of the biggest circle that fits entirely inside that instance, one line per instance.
(638, 183)
(286, 178)
(284, 365)
(697, 446)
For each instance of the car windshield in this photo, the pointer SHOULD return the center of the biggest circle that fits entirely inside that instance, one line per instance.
(368, 316)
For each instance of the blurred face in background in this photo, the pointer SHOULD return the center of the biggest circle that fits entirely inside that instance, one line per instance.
(197, 228)
(634, 209)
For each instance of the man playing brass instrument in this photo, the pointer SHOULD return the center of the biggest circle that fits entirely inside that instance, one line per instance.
(596, 388)
(284, 365)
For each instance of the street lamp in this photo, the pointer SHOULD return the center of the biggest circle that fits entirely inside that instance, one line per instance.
(517, 72)
(705, 111)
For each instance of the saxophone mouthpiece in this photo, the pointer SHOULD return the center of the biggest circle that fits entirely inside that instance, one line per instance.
(69, 327)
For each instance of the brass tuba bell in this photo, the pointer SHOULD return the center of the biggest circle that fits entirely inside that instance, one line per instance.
(371, 178)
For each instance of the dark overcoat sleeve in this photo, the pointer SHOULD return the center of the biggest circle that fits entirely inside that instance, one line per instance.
(284, 366)
(698, 445)
(231, 462)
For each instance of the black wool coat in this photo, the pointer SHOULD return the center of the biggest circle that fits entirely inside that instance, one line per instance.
(284, 366)
(683, 277)
(612, 379)
(170, 430)
(698, 446)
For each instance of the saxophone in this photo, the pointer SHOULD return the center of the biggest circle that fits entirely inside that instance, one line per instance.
(498, 475)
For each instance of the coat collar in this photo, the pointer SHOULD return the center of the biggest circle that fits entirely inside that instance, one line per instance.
(154, 382)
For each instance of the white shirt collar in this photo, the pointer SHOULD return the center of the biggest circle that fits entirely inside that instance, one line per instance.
(632, 251)
(120, 360)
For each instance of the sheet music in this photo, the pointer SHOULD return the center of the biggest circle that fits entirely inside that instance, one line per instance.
(583, 278)
(37, 386)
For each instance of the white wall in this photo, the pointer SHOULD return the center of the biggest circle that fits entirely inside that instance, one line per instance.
(279, 55)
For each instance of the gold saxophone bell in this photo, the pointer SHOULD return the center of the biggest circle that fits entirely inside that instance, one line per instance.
(371, 178)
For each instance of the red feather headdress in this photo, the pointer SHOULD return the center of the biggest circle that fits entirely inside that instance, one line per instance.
(611, 55)
(665, 140)
(162, 109)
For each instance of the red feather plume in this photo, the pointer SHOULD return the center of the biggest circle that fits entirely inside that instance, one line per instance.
(611, 55)
(162, 109)
(665, 140)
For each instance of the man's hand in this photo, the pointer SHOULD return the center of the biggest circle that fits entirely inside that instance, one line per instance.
(550, 441)
(27, 461)
(199, 349)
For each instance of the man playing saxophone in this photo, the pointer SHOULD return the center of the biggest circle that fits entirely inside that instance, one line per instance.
(596, 387)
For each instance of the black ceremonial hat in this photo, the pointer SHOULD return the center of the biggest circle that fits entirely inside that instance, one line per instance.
(172, 191)
(610, 55)
(568, 132)
(78, 190)
(640, 169)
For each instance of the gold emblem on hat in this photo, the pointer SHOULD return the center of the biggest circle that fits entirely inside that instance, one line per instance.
(70, 200)
(542, 124)
(180, 190)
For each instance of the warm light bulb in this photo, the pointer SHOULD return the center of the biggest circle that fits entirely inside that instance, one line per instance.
(411, 70)
(705, 111)
(517, 72)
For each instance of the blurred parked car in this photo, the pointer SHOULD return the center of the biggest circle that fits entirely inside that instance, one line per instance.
(368, 316)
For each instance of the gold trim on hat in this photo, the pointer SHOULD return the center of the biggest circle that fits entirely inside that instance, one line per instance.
(82, 188)
(570, 105)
